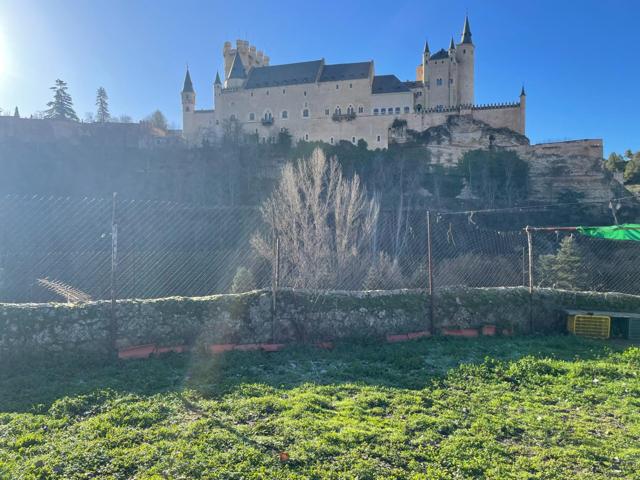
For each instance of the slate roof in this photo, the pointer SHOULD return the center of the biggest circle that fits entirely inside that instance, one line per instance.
(287, 74)
(440, 55)
(466, 31)
(388, 84)
(188, 86)
(237, 68)
(345, 71)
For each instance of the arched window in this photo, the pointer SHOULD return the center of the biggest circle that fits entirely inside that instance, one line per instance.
(252, 117)
(331, 140)
(305, 113)
(350, 110)
(418, 108)
(306, 136)
(407, 109)
(360, 109)
(285, 114)
(338, 111)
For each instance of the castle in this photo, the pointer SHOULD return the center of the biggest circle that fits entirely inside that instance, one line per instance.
(317, 101)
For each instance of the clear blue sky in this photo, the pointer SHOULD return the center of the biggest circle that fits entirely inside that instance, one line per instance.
(579, 60)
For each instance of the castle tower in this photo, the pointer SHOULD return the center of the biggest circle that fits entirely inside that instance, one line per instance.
(217, 86)
(237, 73)
(465, 54)
(523, 108)
(188, 104)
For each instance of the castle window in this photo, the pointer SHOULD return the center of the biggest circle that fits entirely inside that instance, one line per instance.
(306, 136)
(378, 138)
(267, 92)
(360, 109)
(375, 111)
(350, 110)
(439, 82)
(252, 94)
(283, 91)
(304, 93)
(285, 114)
(390, 110)
(331, 140)
(337, 86)
(407, 110)
(232, 117)
(351, 85)
(397, 110)
(464, 50)
(326, 111)
(305, 113)
(252, 117)
(338, 111)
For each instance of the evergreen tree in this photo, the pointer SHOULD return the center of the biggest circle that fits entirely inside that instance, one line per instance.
(564, 269)
(102, 102)
(61, 107)
(16, 113)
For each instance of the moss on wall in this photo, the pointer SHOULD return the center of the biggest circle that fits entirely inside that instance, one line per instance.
(300, 316)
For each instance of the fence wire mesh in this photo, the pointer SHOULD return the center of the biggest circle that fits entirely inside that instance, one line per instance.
(79, 249)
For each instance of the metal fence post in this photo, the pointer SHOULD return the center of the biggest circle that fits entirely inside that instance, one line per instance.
(114, 270)
(430, 270)
(530, 247)
(275, 283)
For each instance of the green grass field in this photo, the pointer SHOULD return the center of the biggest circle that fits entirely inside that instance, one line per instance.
(549, 408)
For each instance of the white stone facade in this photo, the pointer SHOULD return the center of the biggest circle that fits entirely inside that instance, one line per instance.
(331, 103)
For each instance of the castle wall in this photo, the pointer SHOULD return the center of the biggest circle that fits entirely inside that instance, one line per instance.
(501, 116)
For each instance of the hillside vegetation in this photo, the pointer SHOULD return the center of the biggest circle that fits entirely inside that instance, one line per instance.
(553, 408)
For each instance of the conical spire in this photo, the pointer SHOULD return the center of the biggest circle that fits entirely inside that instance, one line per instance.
(522, 94)
(188, 86)
(217, 82)
(452, 46)
(426, 47)
(16, 113)
(237, 68)
(466, 31)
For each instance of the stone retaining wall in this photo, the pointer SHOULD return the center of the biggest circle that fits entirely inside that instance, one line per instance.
(301, 316)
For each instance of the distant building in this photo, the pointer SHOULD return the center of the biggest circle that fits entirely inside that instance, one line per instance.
(317, 101)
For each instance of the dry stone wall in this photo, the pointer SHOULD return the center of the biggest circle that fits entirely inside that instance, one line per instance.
(28, 330)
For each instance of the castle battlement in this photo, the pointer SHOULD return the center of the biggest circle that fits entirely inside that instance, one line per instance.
(314, 100)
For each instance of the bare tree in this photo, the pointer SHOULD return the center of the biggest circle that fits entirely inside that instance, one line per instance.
(324, 223)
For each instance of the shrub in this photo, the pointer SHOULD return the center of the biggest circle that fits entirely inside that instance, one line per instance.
(384, 274)
(243, 281)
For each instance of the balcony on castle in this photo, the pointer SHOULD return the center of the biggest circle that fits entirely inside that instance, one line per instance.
(339, 117)
(267, 121)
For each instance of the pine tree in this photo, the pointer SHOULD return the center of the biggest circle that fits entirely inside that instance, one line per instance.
(61, 107)
(102, 102)
(16, 113)
(564, 269)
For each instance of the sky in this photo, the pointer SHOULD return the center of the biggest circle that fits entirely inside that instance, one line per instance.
(578, 60)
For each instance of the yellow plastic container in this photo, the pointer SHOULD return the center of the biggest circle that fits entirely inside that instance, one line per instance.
(592, 326)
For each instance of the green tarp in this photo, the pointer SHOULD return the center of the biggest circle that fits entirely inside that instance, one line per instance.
(628, 231)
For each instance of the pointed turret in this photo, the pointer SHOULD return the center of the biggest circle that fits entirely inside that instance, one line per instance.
(522, 93)
(188, 86)
(217, 81)
(452, 46)
(466, 31)
(16, 113)
(237, 68)
(426, 47)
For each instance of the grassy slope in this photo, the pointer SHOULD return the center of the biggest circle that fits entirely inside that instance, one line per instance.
(556, 407)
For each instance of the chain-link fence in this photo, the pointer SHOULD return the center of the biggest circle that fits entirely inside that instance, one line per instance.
(61, 248)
